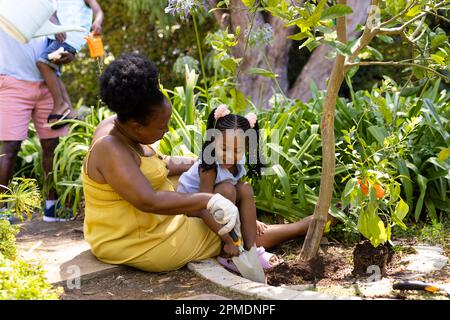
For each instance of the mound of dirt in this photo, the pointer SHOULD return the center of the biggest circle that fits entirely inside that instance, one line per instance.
(332, 262)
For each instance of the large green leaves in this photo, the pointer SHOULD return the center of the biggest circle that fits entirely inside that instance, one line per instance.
(372, 227)
(336, 11)
(401, 210)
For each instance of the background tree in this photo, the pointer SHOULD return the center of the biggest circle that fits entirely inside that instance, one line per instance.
(407, 19)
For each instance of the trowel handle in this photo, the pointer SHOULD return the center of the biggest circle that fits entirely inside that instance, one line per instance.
(236, 239)
(415, 285)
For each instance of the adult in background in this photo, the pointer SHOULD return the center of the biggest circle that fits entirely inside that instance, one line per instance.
(24, 96)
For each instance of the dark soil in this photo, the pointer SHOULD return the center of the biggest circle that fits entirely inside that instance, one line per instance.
(366, 255)
(132, 284)
(333, 265)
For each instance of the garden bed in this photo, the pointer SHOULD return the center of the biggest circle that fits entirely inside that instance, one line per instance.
(331, 271)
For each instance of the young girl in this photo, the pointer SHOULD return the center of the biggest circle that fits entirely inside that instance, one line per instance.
(220, 169)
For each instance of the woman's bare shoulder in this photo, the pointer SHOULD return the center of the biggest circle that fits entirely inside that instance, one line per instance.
(106, 143)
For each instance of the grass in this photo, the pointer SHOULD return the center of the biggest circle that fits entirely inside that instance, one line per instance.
(433, 233)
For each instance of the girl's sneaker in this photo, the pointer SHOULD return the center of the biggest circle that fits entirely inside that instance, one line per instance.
(51, 216)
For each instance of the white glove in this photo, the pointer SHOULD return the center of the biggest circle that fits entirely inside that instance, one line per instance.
(224, 212)
(55, 55)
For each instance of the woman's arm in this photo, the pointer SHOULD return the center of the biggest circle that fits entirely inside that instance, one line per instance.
(120, 170)
(177, 164)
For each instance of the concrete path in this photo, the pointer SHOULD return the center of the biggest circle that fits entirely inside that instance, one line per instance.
(61, 249)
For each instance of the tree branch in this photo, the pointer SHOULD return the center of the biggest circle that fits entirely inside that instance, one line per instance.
(365, 38)
(399, 14)
(398, 30)
(438, 16)
(396, 63)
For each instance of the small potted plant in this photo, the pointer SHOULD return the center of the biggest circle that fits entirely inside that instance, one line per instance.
(374, 198)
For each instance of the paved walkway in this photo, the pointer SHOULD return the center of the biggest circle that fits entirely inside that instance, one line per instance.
(64, 255)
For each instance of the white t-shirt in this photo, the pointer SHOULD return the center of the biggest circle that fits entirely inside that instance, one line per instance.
(19, 60)
(74, 12)
(189, 181)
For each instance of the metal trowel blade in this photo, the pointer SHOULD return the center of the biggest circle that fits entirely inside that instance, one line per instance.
(249, 266)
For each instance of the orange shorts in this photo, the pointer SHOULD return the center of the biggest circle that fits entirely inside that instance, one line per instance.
(21, 101)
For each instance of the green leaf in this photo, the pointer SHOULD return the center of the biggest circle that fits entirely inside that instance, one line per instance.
(378, 133)
(395, 6)
(363, 222)
(409, 91)
(238, 100)
(438, 59)
(437, 40)
(401, 210)
(414, 11)
(431, 208)
(261, 72)
(340, 47)
(385, 38)
(248, 3)
(375, 53)
(327, 227)
(406, 180)
(349, 187)
(229, 64)
(283, 177)
(422, 181)
(336, 11)
(300, 36)
(444, 154)
(352, 71)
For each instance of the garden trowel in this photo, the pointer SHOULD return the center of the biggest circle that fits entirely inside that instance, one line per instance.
(420, 285)
(248, 261)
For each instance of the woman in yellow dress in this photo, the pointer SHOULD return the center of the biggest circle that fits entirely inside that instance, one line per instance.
(132, 214)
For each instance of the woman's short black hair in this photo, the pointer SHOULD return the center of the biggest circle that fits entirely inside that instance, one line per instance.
(129, 86)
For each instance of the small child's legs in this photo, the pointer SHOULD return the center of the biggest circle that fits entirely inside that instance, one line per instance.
(242, 196)
(56, 88)
(51, 73)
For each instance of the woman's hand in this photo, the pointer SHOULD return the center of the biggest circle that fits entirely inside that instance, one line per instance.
(260, 228)
(177, 165)
(224, 212)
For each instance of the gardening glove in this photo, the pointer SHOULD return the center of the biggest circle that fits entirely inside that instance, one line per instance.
(223, 211)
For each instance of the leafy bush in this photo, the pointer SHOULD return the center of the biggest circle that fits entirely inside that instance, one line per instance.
(22, 197)
(8, 234)
(70, 153)
(400, 138)
(21, 280)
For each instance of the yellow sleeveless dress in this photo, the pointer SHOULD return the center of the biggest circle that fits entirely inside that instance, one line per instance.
(119, 233)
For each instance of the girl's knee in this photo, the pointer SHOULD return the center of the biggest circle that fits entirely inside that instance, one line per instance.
(226, 189)
(244, 190)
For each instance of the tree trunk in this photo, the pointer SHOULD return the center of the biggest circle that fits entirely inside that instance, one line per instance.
(315, 230)
(258, 88)
(318, 68)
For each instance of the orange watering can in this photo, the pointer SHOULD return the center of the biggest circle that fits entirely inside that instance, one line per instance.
(95, 45)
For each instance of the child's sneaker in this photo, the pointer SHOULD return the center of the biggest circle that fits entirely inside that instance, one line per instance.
(51, 216)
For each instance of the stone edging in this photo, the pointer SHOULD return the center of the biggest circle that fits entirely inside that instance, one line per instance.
(211, 270)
